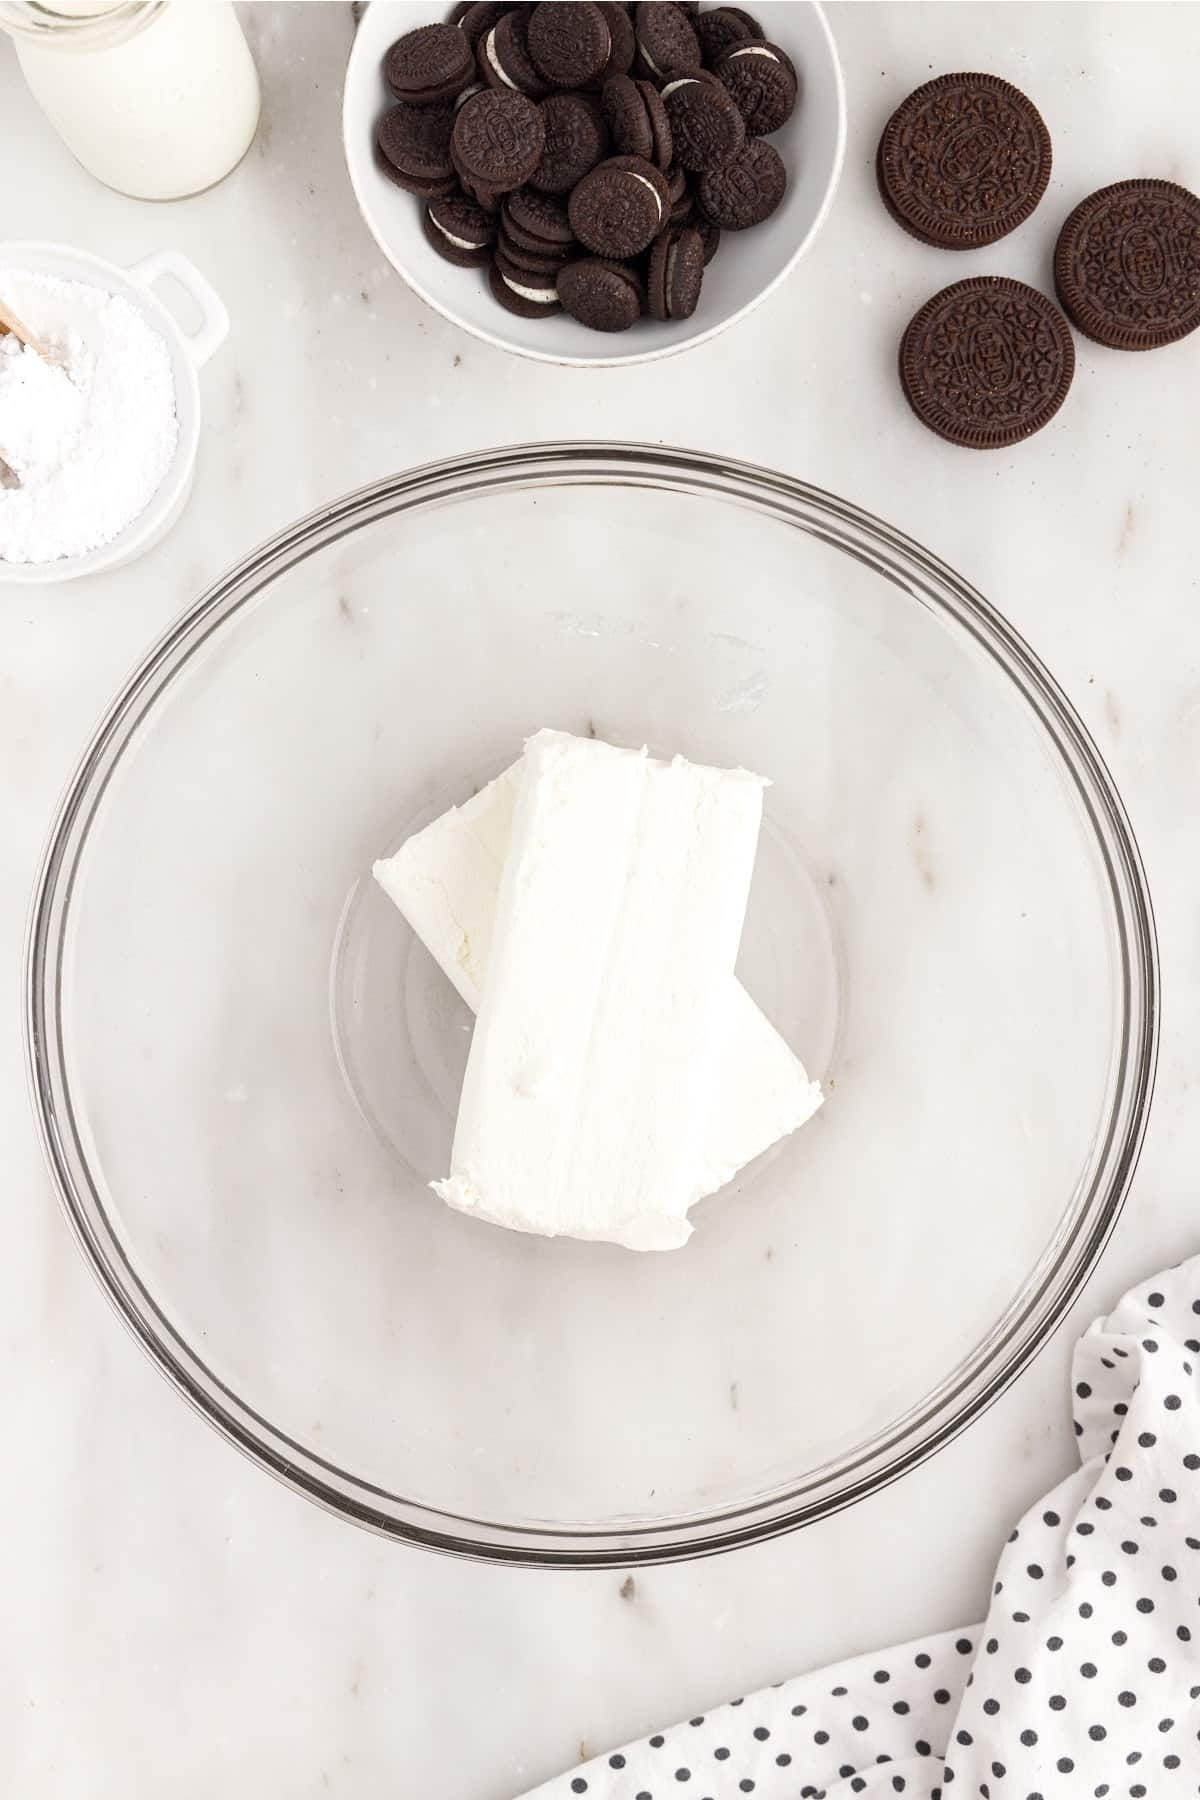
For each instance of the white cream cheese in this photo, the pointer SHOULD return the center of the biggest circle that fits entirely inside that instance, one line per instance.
(446, 880)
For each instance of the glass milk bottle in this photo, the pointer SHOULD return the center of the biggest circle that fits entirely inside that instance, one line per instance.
(156, 98)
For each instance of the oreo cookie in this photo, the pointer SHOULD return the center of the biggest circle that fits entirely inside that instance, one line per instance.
(569, 42)
(761, 80)
(534, 262)
(707, 128)
(429, 65)
(534, 297)
(987, 362)
(413, 145)
(478, 19)
(460, 231)
(1127, 265)
(746, 190)
(576, 140)
(497, 142)
(675, 272)
(665, 39)
(504, 61)
(963, 161)
(537, 222)
(619, 208)
(622, 46)
(721, 28)
(604, 296)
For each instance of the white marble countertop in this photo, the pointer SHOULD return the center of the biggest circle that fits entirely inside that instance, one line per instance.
(175, 1621)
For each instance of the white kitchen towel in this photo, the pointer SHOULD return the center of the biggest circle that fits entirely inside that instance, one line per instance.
(1083, 1681)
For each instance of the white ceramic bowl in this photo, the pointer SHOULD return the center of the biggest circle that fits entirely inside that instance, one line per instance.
(189, 352)
(750, 264)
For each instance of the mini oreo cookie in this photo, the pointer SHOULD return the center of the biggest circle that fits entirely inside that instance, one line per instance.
(534, 298)
(675, 273)
(627, 118)
(987, 362)
(415, 140)
(665, 39)
(710, 237)
(387, 147)
(480, 18)
(662, 139)
(1127, 265)
(460, 231)
(622, 46)
(746, 190)
(498, 141)
(504, 60)
(722, 28)
(619, 208)
(604, 296)
(761, 80)
(429, 65)
(569, 41)
(545, 261)
(706, 125)
(537, 222)
(963, 161)
(576, 140)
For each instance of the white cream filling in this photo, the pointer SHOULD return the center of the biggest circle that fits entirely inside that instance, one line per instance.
(476, 87)
(543, 296)
(651, 186)
(459, 243)
(673, 86)
(755, 50)
(649, 60)
(489, 50)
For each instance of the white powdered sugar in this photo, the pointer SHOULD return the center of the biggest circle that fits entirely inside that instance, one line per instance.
(91, 431)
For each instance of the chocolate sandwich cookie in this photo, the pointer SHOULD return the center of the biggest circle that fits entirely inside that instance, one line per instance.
(497, 142)
(722, 28)
(622, 46)
(675, 273)
(987, 362)
(460, 231)
(761, 80)
(662, 139)
(504, 61)
(480, 18)
(416, 140)
(665, 38)
(535, 297)
(604, 296)
(963, 161)
(620, 207)
(627, 118)
(1127, 265)
(709, 235)
(545, 261)
(746, 190)
(537, 222)
(405, 147)
(707, 128)
(429, 65)
(569, 42)
(576, 140)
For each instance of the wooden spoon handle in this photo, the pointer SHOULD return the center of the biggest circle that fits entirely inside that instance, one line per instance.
(10, 322)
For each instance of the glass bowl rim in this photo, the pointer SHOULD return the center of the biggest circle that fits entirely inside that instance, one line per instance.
(1005, 1351)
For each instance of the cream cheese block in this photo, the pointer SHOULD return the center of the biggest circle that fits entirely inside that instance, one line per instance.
(634, 824)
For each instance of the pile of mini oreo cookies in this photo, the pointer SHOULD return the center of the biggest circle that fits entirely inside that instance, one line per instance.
(588, 156)
(988, 361)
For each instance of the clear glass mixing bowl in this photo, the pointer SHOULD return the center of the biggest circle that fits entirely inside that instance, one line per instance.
(246, 1068)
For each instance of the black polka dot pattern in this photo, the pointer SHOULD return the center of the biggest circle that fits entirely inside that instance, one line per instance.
(1082, 1680)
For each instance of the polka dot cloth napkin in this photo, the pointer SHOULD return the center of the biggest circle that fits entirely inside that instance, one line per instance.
(1083, 1681)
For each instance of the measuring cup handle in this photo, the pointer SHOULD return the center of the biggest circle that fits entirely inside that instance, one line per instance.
(214, 319)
